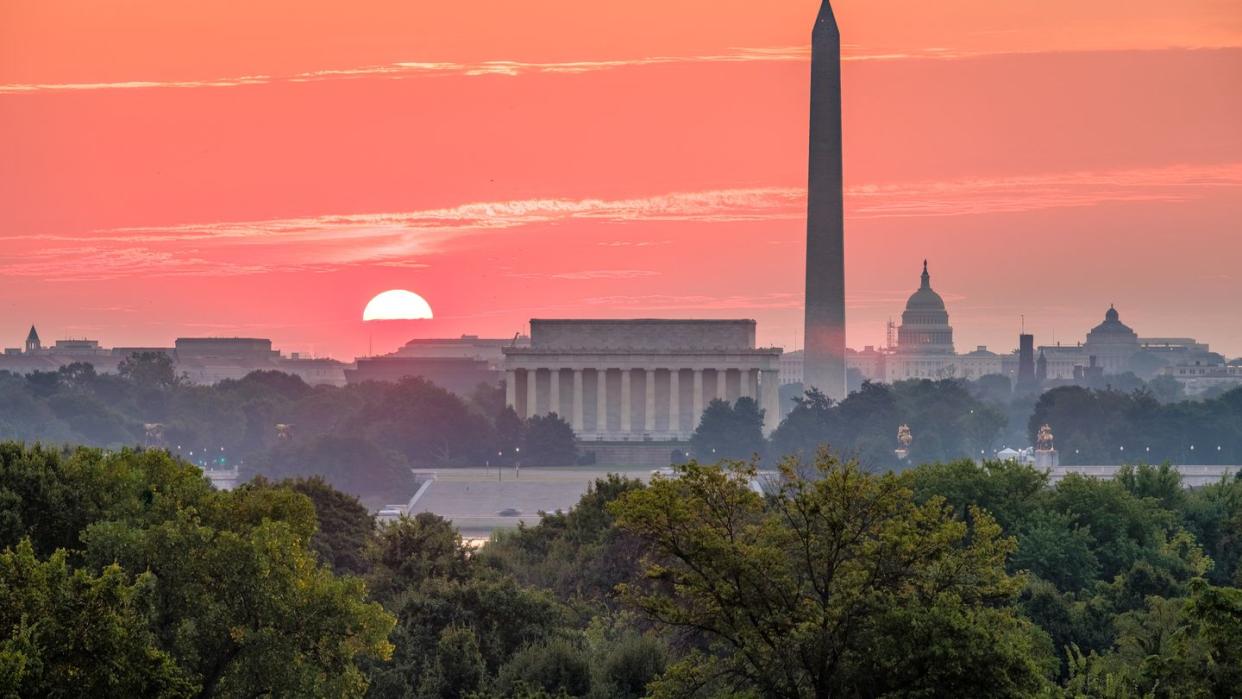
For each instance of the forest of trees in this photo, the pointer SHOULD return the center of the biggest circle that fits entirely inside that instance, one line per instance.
(363, 438)
(124, 574)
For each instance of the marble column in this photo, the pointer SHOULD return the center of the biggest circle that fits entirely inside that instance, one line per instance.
(554, 392)
(627, 405)
(601, 401)
(722, 388)
(674, 403)
(511, 388)
(531, 376)
(697, 400)
(649, 391)
(770, 396)
(577, 409)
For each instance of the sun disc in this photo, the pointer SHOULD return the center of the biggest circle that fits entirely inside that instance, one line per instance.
(397, 304)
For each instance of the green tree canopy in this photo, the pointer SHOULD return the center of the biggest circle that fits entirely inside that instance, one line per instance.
(729, 431)
(838, 585)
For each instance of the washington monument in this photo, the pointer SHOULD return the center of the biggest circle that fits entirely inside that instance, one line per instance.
(824, 357)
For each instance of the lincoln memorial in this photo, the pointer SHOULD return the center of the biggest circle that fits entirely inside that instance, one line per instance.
(639, 380)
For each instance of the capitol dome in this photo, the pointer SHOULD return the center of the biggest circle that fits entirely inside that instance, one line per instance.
(925, 325)
(925, 299)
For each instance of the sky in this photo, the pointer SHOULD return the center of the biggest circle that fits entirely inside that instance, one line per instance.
(265, 168)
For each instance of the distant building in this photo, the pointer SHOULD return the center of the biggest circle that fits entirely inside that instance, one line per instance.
(1112, 343)
(1026, 362)
(249, 347)
(1199, 378)
(979, 363)
(315, 371)
(79, 348)
(461, 375)
(489, 350)
(870, 363)
(924, 339)
(202, 360)
(619, 382)
(791, 366)
(457, 364)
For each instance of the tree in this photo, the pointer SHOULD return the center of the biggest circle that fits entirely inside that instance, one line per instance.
(1050, 546)
(237, 599)
(547, 440)
(1161, 483)
(343, 526)
(508, 428)
(429, 425)
(838, 585)
(149, 370)
(1122, 527)
(556, 667)
(729, 431)
(245, 606)
(458, 670)
(805, 429)
(1167, 389)
(1007, 490)
(578, 554)
(351, 463)
(71, 633)
(414, 549)
(78, 373)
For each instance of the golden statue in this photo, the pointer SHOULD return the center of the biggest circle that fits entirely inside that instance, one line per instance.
(1044, 441)
(904, 437)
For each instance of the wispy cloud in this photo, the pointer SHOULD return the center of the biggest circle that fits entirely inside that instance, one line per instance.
(403, 239)
(411, 239)
(414, 69)
(1001, 195)
(88, 263)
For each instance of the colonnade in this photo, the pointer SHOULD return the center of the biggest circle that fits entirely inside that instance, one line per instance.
(637, 403)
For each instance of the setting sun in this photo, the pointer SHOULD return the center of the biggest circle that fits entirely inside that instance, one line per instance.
(397, 304)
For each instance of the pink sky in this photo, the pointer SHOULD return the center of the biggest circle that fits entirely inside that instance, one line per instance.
(179, 169)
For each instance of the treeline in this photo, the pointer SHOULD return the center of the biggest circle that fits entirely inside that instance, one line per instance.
(361, 438)
(955, 419)
(366, 438)
(124, 574)
(1109, 427)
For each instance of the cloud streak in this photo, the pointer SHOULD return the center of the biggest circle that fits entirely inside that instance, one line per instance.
(415, 69)
(413, 239)
(506, 68)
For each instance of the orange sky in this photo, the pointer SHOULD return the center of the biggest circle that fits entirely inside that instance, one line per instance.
(216, 168)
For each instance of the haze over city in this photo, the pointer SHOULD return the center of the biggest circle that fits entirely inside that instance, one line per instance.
(563, 159)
